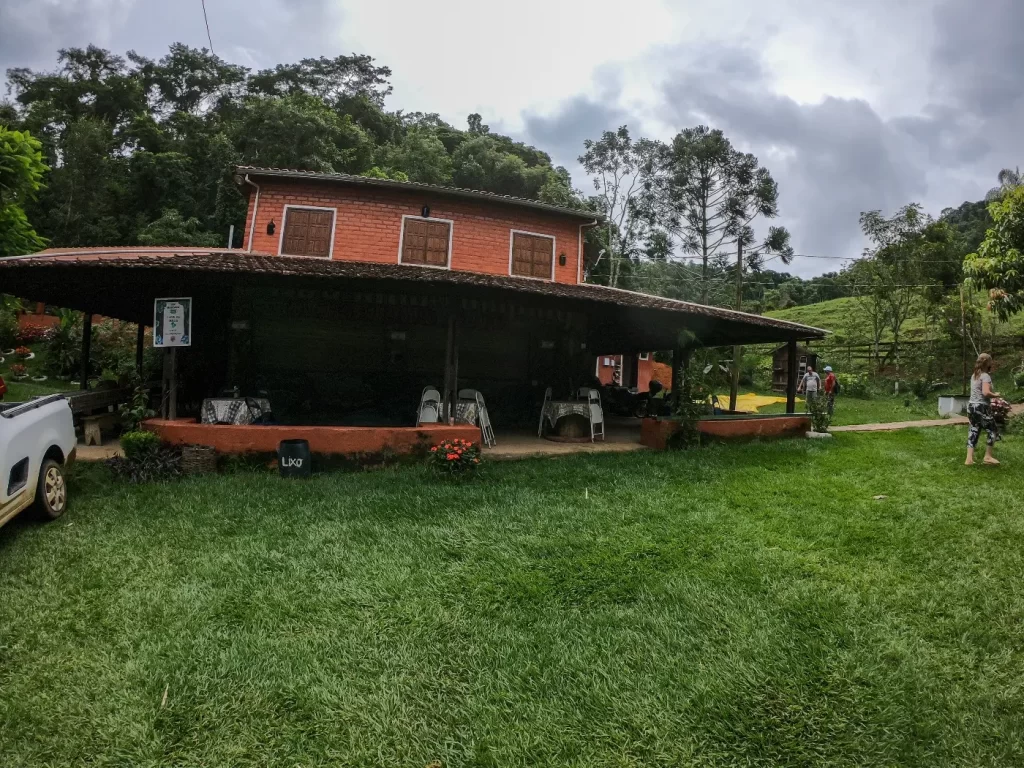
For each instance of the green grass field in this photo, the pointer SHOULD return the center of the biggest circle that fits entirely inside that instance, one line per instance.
(838, 315)
(739, 605)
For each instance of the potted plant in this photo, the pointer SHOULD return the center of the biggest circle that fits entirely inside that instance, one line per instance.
(19, 372)
(24, 353)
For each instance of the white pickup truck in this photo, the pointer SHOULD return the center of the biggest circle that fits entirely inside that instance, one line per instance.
(37, 440)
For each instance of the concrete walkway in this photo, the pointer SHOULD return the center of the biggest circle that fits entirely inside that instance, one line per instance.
(890, 427)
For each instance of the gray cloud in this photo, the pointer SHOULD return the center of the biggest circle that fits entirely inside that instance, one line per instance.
(840, 156)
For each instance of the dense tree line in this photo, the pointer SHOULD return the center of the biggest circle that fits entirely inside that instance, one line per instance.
(142, 150)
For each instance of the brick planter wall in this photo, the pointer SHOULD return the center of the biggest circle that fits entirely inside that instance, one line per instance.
(655, 433)
(340, 441)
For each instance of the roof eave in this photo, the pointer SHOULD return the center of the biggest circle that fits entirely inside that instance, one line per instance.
(467, 194)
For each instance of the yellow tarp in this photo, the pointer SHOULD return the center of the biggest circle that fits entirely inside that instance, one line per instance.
(751, 401)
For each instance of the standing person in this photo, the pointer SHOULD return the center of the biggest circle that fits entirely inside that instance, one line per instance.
(979, 410)
(831, 389)
(810, 383)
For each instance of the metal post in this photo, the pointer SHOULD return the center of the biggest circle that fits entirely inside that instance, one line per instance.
(140, 348)
(86, 348)
(231, 237)
(791, 374)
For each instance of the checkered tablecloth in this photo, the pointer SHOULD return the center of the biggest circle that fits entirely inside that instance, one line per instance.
(466, 412)
(556, 409)
(231, 410)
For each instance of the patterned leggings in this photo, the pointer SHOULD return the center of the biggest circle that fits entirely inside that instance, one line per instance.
(981, 418)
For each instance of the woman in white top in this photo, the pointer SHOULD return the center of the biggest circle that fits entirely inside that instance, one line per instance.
(979, 412)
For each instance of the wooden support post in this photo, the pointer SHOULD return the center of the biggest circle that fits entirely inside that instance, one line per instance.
(677, 369)
(449, 352)
(791, 374)
(86, 349)
(140, 349)
(172, 390)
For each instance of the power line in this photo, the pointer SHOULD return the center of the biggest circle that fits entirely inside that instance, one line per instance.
(206, 19)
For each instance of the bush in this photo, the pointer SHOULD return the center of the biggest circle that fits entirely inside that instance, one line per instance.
(136, 410)
(139, 443)
(455, 457)
(64, 347)
(854, 385)
(818, 407)
(8, 329)
(145, 459)
(32, 334)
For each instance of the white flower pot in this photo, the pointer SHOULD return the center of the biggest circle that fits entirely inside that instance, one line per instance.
(952, 405)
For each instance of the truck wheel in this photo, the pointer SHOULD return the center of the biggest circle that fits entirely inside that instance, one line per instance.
(51, 491)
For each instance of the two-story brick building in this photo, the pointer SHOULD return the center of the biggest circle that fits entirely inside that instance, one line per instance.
(351, 294)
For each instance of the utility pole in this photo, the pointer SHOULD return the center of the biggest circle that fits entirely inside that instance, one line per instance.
(737, 351)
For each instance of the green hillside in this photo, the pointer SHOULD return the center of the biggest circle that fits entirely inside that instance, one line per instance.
(846, 318)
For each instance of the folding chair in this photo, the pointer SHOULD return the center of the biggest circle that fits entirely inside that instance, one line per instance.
(484, 420)
(543, 408)
(429, 411)
(468, 394)
(596, 415)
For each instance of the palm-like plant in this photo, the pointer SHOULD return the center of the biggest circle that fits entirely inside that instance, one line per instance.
(1009, 178)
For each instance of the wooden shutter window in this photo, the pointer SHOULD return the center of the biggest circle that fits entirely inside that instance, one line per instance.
(532, 256)
(307, 232)
(426, 242)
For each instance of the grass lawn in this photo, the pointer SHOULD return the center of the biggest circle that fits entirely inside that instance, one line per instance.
(740, 605)
(880, 409)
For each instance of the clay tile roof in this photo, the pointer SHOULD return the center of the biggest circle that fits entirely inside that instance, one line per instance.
(222, 260)
(474, 194)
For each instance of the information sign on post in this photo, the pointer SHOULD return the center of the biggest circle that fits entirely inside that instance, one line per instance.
(172, 322)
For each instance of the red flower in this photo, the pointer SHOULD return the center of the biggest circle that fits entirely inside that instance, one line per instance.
(452, 456)
(434, 449)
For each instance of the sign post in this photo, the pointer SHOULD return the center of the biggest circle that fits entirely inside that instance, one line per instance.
(172, 328)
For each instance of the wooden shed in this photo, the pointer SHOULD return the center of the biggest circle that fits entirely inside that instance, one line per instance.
(780, 365)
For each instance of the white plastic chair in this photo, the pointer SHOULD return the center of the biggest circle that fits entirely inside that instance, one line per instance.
(484, 419)
(543, 408)
(588, 394)
(430, 407)
(596, 415)
(468, 394)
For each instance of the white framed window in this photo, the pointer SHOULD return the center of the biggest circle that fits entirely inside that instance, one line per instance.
(426, 242)
(307, 231)
(531, 254)
(644, 356)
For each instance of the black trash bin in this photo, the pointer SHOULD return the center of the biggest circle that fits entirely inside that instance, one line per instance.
(293, 459)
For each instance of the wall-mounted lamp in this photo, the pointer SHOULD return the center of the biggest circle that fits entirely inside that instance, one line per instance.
(426, 212)
(561, 259)
(270, 227)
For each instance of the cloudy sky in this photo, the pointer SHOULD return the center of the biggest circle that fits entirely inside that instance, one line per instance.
(852, 106)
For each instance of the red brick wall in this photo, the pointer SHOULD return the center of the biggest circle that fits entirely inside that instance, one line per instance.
(368, 224)
(644, 371)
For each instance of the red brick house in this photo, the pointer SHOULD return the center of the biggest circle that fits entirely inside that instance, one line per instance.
(350, 295)
(633, 371)
(354, 218)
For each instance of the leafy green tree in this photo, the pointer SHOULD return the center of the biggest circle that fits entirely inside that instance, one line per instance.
(21, 177)
(999, 262)
(422, 157)
(334, 81)
(708, 198)
(300, 131)
(172, 229)
(622, 171)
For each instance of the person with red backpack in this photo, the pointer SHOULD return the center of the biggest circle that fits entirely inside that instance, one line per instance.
(3, 388)
(831, 389)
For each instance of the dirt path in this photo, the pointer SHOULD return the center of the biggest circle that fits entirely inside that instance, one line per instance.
(954, 420)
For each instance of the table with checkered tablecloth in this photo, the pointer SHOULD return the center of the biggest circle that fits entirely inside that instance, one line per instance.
(232, 410)
(557, 409)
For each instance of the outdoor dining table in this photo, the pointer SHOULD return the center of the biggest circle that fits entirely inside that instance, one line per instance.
(557, 409)
(231, 410)
(466, 411)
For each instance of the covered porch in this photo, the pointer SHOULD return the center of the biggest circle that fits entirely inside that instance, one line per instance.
(343, 350)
